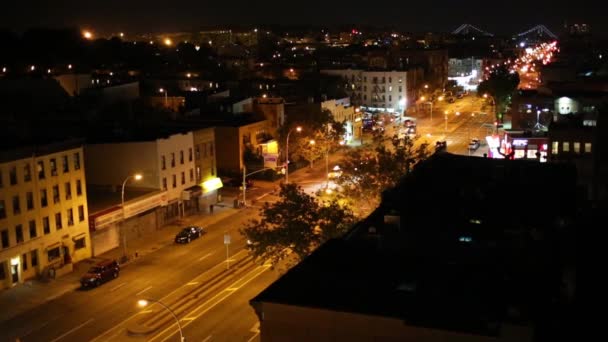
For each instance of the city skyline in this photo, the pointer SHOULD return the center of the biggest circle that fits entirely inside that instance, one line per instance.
(154, 16)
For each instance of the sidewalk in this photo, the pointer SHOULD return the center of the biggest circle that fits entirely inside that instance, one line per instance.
(34, 292)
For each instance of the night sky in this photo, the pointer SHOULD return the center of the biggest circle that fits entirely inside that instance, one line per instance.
(502, 17)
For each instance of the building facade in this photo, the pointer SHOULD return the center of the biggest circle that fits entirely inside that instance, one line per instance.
(43, 213)
(235, 139)
(342, 111)
(205, 167)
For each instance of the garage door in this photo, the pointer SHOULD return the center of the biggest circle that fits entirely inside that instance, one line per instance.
(105, 239)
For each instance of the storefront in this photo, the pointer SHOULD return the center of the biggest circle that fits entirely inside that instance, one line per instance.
(525, 146)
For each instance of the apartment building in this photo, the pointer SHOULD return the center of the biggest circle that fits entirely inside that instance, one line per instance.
(342, 111)
(43, 212)
(375, 90)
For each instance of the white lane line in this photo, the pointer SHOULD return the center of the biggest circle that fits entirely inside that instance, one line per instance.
(253, 337)
(117, 287)
(192, 283)
(71, 331)
(207, 339)
(37, 328)
(144, 290)
(205, 256)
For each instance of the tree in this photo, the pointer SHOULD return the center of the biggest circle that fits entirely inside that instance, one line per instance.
(500, 85)
(309, 148)
(367, 172)
(297, 223)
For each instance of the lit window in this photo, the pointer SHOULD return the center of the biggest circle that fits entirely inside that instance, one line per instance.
(554, 147)
(587, 147)
(577, 147)
(566, 146)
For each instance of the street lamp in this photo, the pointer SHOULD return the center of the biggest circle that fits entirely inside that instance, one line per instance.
(137, 177)
(144, 302)
(299, 129)
(430, 103)
(164, 91)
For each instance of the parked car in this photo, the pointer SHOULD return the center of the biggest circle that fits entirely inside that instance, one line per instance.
(237, 182)
(188, 234)
(100, 273)
(441, 146)
(474, 144)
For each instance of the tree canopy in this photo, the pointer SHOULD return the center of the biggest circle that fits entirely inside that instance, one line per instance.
(500, 85)
(296, 224)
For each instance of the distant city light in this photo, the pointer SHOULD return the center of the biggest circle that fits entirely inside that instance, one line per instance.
(69, 66)
(197, 47)
(33, 67)
(48, 71)
(4, 69)
(188, 75)
(122, 35)
(87, 34)
(168, 41)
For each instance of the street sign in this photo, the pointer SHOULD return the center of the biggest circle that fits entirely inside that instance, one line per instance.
(226, 239)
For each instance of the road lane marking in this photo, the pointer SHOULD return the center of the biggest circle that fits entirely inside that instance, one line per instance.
(255, 328)
(192, 283)
(207, 339)
(205, 256)
(117, 287)
(212, 302)
(144, 290)
(253, 337)
(73, 329)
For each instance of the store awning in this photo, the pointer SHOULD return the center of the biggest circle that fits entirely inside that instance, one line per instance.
(195, 190)
(212, 184)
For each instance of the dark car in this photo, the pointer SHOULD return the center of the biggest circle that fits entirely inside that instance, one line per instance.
(188, 234)
(100, 273)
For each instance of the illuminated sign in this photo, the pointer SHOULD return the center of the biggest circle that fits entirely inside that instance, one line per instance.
(212, 184)
(520, 142)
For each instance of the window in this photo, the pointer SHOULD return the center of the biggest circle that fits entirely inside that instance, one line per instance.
(191, 175)
(183, 178)
(566, 146)
(164, 183)
(390, 80)
(68, 190)
(587, 147)
(2, 274)
(76, 161)
(400, 89)
(46, 225)
(181, 157)
(197, 151)
(172, 159)
(19, 233)
(43, 200)
(40, 169)
(16, 205)
(4, 235)
(78, 187)
(2, 209)
(174, 181)
(55, 193)
(64, 162)
(80, 243)
(53, 167)
(53, 254)
(70, 217)
(211, 149)
(33, 230)
(29, 199)
(58, 223)
(1, 184)
(390, 88)
(198, 174)
(390, 98)
(190, 154)
(34, 256)
(13, 175)
(400, 80)
(554, 147)
(365, 97)
(577, 147)
(24, 261)
(80, 213)
(163, 165)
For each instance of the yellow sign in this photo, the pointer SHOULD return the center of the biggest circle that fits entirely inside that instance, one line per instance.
(212, 184)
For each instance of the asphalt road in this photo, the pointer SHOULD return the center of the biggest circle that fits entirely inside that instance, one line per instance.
(104, 313)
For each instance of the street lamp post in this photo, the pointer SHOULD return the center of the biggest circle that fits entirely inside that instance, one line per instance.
(430, 103)
(137, 177)
(144, 302)
(245, 174)
(299, 129)
(164, 91)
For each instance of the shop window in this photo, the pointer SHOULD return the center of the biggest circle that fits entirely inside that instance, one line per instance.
(80, 213)
(587, 147)
(554, 147)
(577, 147)
(33, 230)
(34, 257)
(80, 243)
(566, 146)
(19, 233)
(53, 254)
